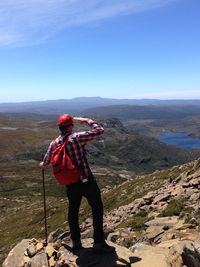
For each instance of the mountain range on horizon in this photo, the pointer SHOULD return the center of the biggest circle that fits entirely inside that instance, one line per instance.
(78, 105)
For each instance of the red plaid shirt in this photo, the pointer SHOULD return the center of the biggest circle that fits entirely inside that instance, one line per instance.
(75, 147)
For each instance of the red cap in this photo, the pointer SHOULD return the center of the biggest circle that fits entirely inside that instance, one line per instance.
(65, 120)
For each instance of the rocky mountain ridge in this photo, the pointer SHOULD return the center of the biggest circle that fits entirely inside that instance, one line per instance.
(160, 228)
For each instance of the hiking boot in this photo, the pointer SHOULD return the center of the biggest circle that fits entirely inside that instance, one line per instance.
(103, 247)
(76, 245)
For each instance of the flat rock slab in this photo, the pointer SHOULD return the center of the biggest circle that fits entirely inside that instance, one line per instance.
(151, 257)
(154, 231)
(161, 197)
(164, 221)
(168, 243)
(16, 256)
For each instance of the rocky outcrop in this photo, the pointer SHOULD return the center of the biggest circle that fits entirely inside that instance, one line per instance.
(185, 186)
(171, 249)
(59, 254)
(174, 239)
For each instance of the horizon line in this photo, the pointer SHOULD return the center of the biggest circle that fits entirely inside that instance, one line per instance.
(99, 97)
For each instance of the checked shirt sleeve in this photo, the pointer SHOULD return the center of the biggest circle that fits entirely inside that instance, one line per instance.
(87, 136)
(47, 157)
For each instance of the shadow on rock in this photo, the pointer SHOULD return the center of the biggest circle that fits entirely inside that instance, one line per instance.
(87, 257)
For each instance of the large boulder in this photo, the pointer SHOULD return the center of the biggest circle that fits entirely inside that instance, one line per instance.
(191, 255)
(39, 260)
(16, 256)
(175, 254)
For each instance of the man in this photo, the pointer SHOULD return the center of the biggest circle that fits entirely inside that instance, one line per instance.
(86, 186)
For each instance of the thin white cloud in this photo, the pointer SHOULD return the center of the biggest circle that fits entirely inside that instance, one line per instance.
(24, 22)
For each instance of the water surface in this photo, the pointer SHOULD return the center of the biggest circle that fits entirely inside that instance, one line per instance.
(180, 140)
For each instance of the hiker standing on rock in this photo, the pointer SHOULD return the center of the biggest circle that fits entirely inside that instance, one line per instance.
(86, 184)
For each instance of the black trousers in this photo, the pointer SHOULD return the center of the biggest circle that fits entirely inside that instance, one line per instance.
(91, 191)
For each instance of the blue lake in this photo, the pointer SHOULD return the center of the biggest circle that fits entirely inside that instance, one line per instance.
(180, 140)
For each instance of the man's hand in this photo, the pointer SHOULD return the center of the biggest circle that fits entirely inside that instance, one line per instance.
(42, 165)
(80, 119)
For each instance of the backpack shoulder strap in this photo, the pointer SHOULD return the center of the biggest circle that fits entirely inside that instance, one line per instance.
(54, 144)
(66, 139)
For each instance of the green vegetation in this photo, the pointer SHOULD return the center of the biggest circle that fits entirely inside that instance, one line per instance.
(175, 207)
(136, 223)
(195, 167)
(192, 216)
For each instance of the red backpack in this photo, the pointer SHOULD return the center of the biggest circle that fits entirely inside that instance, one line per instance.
(65, 171)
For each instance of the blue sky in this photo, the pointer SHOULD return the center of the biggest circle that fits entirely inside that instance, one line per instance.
(53, 49)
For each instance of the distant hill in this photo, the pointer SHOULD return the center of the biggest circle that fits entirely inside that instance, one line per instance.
(77, 105)
(149, 112)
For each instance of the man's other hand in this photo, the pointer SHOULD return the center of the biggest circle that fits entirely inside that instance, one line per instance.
(42, 165)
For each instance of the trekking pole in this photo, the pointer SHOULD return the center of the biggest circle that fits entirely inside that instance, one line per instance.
(44, 200)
